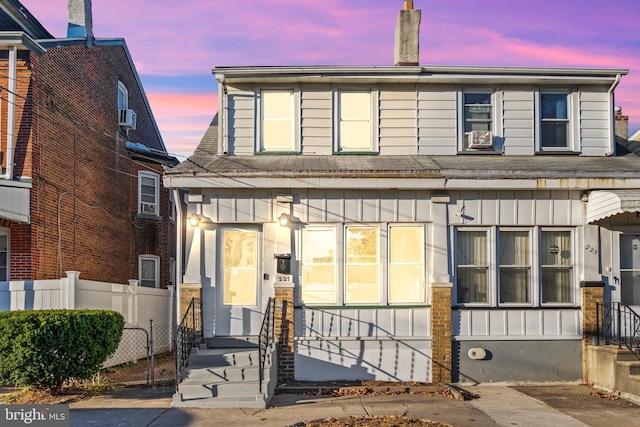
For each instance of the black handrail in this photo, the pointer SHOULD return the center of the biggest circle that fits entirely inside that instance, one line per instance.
(265, 337)
(620, 325)
(188, 334)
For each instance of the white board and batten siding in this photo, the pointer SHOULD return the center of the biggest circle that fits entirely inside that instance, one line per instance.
(517, 324)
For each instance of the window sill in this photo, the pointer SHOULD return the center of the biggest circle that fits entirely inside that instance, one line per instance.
(149, 216)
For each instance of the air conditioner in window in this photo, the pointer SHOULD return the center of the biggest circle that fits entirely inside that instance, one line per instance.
(148, 208)
(128, 119)
(480, 139)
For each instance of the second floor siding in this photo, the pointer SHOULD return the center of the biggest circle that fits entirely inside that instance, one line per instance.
(423, 119)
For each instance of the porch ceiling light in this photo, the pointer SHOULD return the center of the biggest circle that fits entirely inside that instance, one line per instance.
(284, 219)
(194, 219)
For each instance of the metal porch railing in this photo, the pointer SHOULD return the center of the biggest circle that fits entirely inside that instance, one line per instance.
(618, 324)
(188, 334)
(266, 337)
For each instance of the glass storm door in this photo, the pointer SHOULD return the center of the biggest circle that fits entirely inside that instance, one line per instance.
(630, 269)
(238, 305)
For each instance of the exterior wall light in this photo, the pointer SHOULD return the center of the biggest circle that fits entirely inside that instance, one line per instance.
(284, 219)
(194, 219)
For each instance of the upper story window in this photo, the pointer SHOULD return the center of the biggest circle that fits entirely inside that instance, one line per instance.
(278, 119)
(172, 206)
(123, 96)
(554, 120)
(479, 117)
(4, 256)
(148, 193)
(149, 271)
(356, 128)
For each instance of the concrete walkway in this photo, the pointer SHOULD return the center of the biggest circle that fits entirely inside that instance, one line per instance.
(497, 405)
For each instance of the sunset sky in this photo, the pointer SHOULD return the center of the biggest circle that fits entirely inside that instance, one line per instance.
(175, 44)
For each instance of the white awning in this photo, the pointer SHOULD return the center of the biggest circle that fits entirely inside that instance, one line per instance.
(603, 204)
(14, 201)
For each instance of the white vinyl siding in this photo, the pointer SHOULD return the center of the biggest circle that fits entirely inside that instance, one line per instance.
(149, 271)
(316, 120)
(437, 118)
(518, 121)
(398, 120)
(595, 125)
(278, 118)
(148, 193)
(242, 122)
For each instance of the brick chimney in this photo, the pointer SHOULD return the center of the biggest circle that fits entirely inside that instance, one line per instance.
(622, 127)
(80, 19)
(407, 40)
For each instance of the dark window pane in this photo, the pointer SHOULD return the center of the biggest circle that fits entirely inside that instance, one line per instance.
(554, 106)
(477, 98)
(555, 134)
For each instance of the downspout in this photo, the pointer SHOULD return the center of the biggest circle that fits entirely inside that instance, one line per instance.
(179, 239)
(612, 120)
(11, 113)
(225, 115)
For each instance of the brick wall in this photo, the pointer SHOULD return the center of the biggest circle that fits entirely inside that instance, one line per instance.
(84, 196)
(284, 331)
(441, 351)
(592, 293)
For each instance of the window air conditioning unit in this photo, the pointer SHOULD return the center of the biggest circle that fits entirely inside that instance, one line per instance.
(148, 208)
(128, 119)
(480, 139)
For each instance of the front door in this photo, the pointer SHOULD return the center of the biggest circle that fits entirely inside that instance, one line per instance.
(238, 305)
(630, 269)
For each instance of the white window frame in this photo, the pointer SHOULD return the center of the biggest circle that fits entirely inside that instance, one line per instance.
(533, 285)
(294, 118)
(172, 206)
(373, 113)
(377, 264)
(156, 203)
(573, 121)
(123, 97)
(7, 235)
(156, 260)
(496, 118)
(535, 243)
(336, 262)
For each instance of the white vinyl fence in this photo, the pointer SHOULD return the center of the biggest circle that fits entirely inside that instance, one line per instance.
(138, 305)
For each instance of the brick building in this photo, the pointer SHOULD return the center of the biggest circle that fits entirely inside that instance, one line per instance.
(81, 157)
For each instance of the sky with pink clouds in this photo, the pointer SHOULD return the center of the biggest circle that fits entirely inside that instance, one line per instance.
(175, 44)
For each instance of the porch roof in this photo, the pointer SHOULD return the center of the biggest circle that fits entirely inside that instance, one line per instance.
(15, 198)
(604, 204)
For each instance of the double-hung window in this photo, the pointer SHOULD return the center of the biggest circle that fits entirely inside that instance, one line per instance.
(477, 112)
(4, 256)
(554, 121)
(362, 265)
(514, 266)
(148, 193)
(355, 122)
(319, 265)
(472, 255)
(406, 264)
(149, 270)
(278, 119)
(556, 266)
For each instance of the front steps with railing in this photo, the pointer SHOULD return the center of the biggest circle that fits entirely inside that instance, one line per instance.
(614, 369)
(220, 376)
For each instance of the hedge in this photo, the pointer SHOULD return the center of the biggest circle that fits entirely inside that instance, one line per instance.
(45, 348)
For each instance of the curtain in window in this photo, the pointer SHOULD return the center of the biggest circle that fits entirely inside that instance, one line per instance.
(406, 264)
(514, 266)
(473, 265)
(318, 266)
(362, 268)
(556, 266)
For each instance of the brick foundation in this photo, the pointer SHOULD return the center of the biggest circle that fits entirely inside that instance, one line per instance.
(284, 332)
(441, 347)
(592, 293)
(188, 291)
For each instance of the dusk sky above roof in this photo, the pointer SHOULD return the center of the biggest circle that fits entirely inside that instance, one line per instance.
(176, 44)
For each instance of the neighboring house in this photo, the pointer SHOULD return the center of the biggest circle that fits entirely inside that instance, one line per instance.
(443, 223)
(81, 157)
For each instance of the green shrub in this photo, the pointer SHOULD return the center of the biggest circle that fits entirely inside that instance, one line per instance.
(45, 348)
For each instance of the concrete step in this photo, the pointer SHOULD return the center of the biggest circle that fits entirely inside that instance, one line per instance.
(624, 355)
(248, 341)
(226, 373)
(202, 389)
(256, 401)
(212, 357)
